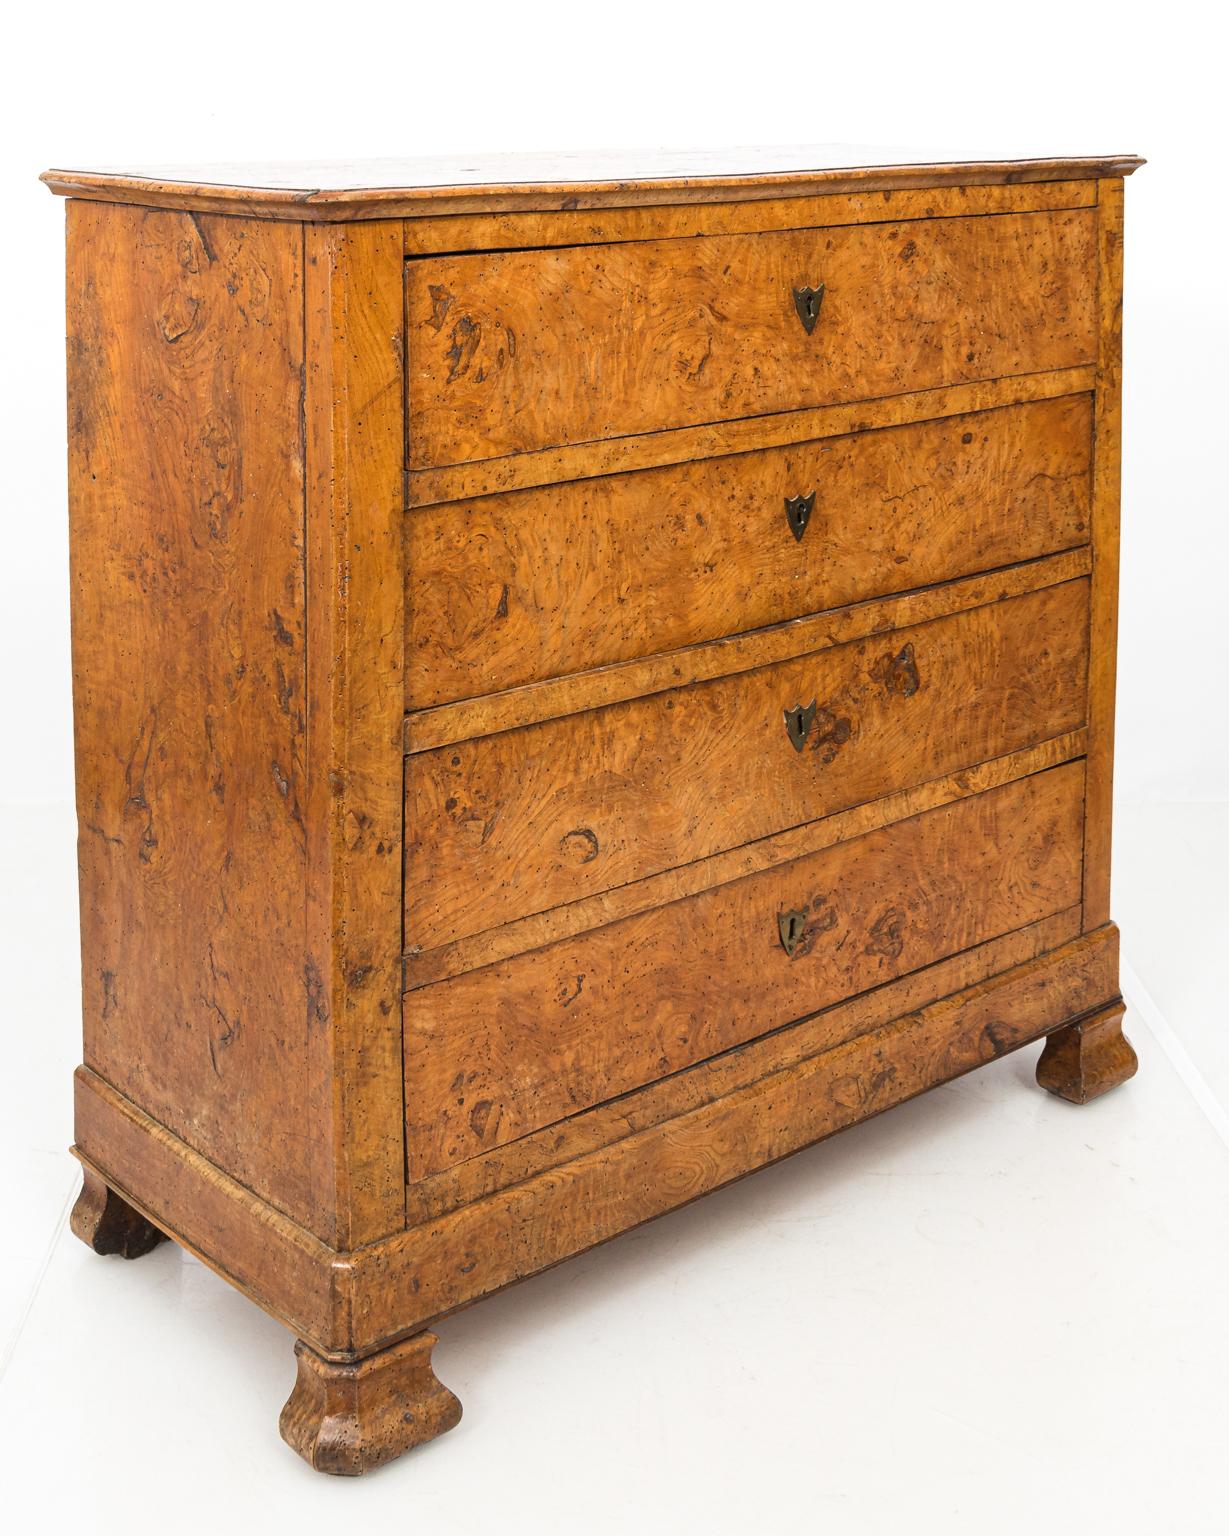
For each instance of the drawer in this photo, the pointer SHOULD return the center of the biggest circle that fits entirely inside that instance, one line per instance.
(513, 588)
(525, 820)
(522, 350)
(502, 1051)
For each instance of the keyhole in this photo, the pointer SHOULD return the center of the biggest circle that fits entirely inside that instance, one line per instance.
(807, 302)
(791, 927)
(798, 513)
(798, 722)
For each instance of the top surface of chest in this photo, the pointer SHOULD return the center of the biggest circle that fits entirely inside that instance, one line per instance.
(427, 186)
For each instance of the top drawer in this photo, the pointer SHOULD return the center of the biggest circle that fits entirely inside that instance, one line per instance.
(516, 351)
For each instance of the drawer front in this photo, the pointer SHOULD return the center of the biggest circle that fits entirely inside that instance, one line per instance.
(510, 589)
(526, 820)
(503, 1051)
(512, 352)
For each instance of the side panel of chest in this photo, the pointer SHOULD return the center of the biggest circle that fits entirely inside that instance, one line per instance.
(236, 449)
(189, 675)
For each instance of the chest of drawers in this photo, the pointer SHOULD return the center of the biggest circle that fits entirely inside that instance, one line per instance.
(588, 679)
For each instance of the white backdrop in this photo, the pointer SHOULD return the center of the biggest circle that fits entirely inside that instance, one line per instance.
(99, 84)
(959, 1317)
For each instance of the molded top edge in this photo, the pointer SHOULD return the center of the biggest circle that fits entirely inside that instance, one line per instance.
(421, 187)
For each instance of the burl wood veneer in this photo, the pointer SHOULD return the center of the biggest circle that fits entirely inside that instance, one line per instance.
(588, 679)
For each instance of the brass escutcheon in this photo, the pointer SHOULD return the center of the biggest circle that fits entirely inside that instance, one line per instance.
(807, 302)
(798, 511)
(792, 927)
(798, 723)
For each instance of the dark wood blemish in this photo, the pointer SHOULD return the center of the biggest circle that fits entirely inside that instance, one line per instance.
(568, 993)
(222, 1034)
(480, 1119)
(441, 303)
(580, 845)
(887, 934)
(829, 733)
(998, 1036)
(201, 235)
(136, 771)
(466, 336)
(898, 673)
(177, 316)
(317, 999)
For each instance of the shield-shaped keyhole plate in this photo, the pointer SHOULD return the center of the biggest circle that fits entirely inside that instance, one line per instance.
(807, 302)
(798, 722)
(792, 927)
(798, 511)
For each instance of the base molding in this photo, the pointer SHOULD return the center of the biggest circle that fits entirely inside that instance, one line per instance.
(347, 1306)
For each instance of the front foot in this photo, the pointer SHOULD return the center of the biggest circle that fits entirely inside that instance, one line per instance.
(108, 1224)
(348, 1418)
(1086, 1059)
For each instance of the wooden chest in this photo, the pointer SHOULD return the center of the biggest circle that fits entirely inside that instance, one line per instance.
(588, 679)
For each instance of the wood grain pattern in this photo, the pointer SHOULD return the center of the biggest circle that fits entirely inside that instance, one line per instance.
(680, 445)
(387, 1290)
(512, 589)
(500, 1052)
(605, 1124)
(452, 184)
(349, 1418)
(1107, 470)
(186, 508)
(225, 792)
(527, 820)
(571, 694)
(494, 944)
(524, 350)
(356, 686)
(606, 226)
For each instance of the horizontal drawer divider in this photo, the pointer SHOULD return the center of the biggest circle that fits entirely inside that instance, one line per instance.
(678, 445)
(454, 234)
(705, 1082)
(424, 967)
(554, 698)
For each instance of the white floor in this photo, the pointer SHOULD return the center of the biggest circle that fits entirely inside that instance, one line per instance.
(987, 1311)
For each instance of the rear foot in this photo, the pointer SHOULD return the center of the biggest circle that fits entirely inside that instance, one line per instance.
(1088, 1058)
(108, 1224)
